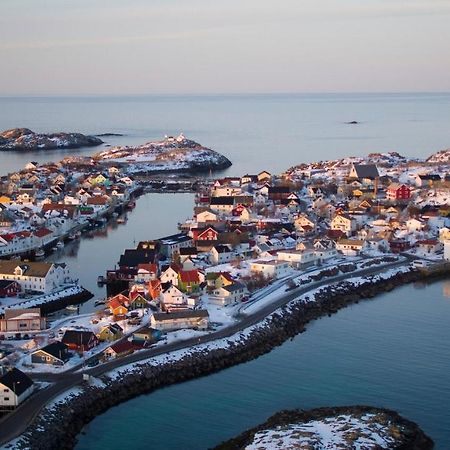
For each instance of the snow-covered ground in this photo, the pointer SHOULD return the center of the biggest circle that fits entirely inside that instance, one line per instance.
(16, 302)
(356, 432)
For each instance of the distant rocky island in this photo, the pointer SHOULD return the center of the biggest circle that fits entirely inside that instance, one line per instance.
(343, 428)
(168, 155)
(24, 139)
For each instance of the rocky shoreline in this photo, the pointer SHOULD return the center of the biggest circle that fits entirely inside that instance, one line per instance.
(410, 436)
(58, 427)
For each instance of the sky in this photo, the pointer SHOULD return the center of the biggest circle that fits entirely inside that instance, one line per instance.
(126, 47)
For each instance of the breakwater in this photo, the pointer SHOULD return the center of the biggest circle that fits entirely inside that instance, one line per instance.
(64, 421)
(408, 435)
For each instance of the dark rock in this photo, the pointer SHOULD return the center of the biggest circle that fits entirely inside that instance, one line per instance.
(410, 436)
(24, 139)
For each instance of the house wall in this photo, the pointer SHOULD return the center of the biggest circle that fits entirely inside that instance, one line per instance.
(9, 399)
(178, 324)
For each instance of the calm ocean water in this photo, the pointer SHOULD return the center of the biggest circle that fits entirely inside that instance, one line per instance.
(391, 352)
(256, 132)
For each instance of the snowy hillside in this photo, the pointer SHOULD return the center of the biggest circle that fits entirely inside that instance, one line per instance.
(25, 139)
(167, 155)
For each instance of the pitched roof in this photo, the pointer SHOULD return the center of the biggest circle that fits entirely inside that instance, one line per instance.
(16, 380)
(56, 349)
(186, 314)
(77, 337)
(189, 276)
(366, 171)
(134, 257)
(31, 269)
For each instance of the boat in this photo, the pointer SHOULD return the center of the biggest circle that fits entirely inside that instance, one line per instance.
(99, 302)
(38, 254)
(101, 279)
(121, 220)
(73, 307)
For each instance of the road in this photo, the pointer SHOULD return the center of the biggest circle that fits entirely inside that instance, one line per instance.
(15, 423)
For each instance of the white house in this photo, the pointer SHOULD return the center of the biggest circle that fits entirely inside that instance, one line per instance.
(228, 294)
(35, 276)
(170, 275)
(220, 254)
(298, 258)
(344, 223)
(171, 295)
(350, 247)
(270, 269)
(414, 224)
(15, 387)
(198, 319)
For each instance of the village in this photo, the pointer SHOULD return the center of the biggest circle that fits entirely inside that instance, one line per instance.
(250, 240)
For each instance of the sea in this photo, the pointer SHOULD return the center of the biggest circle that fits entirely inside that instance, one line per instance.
(392, 351)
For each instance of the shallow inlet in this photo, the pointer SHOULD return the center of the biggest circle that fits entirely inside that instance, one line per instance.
(391, 351)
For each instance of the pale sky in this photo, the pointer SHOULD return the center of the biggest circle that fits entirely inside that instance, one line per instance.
(122, 47)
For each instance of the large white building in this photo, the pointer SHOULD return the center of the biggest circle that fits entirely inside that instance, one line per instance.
(270, 269)
(35, 276)
(15, 387)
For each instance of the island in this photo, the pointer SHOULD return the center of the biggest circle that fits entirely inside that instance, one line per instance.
(345, 427)
(24, 139)
(172, 154)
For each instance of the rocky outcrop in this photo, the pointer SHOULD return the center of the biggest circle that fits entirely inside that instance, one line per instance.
(168, 155)
(57, 429)
(440, 157)
(24, 139)
(401, 433)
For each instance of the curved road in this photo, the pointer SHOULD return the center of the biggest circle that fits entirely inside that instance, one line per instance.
(16, 423)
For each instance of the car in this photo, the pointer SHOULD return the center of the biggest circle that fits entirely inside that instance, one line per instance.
(93, 363)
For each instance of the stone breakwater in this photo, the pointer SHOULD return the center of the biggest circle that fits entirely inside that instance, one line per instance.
(408, 436)
(57, 428)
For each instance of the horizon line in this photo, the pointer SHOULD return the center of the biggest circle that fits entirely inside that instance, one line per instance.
(222, 94)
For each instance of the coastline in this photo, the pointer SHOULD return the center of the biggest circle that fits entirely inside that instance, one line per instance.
(66, 420)
(412, 438)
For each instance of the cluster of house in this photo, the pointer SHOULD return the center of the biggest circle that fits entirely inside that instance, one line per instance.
(274, 224)
(43, 205)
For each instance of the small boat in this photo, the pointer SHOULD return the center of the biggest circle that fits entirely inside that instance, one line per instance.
(38, 254)
(121, 220)
(99, 302)
(73, 307)
(101, 279)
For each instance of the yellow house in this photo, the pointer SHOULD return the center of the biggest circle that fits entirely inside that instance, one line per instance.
(357, 193)
(223, 280)
(98, 179)
(111, 332)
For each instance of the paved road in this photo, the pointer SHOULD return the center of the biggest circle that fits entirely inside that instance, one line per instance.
(14, 424)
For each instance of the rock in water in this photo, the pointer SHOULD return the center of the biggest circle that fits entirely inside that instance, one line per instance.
(344, 427)
(25, 139)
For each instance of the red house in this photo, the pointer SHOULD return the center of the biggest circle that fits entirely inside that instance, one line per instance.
(207, 234)
(396, 191)
(9, 288)
(80, 341)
